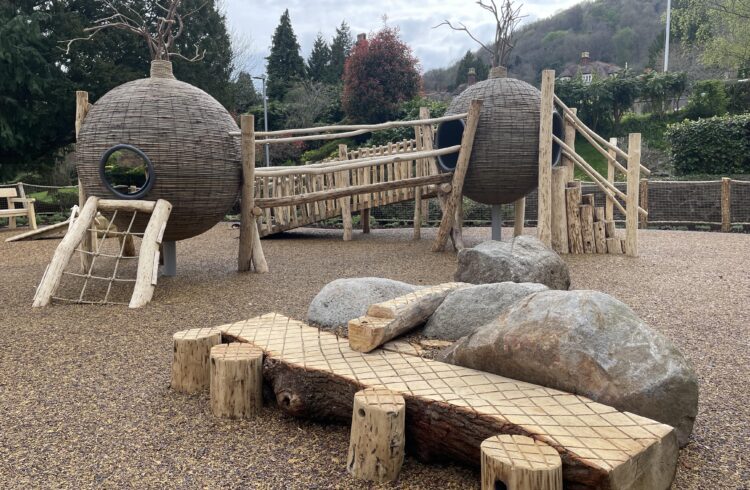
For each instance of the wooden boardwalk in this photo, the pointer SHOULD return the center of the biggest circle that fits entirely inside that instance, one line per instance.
(452, 409)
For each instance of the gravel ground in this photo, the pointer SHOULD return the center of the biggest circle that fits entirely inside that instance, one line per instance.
(84, 398)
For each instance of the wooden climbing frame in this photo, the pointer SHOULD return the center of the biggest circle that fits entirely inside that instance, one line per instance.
(82, 235)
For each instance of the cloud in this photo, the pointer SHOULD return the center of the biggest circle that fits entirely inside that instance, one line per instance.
(434, 48)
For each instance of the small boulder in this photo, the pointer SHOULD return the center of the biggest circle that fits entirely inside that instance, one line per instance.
(467, 309)
(523, 259)
(344, 299)
(587, 343)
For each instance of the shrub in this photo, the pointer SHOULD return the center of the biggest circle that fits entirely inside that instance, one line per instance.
(651, 126)
(707, 100)
(739, 96)
(720, 145)
(329, 149)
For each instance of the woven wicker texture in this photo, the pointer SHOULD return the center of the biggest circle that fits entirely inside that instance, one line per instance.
(504, 162)
(184, 132)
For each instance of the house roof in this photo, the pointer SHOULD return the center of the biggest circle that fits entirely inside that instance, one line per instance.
(598, 68)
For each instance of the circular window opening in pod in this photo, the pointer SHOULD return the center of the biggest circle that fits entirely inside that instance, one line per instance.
(126, 171)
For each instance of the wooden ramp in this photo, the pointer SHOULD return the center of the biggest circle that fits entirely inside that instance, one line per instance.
(452, 409)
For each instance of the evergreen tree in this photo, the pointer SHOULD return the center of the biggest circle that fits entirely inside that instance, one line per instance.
(244, 95)
(318, 64)
(285, 65)
(470, 60)
(341, 47)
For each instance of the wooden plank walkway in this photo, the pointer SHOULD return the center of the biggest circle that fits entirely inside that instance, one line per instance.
(600, 446)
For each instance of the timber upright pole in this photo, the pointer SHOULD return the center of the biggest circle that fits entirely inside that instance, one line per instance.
(519, 207)
(726, 204)
(346, 202)
(609, 211)
(251, 252)
(570, 140)
(459, 174)
(82, 109)
(634, 177)
(544, 220)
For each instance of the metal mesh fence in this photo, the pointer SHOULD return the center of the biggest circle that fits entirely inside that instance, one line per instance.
(691, 204)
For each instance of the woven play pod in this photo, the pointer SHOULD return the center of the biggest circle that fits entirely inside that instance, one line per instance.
(504, 162)
(183, 131)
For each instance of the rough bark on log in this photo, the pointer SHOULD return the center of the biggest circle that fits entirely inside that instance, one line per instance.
(572, 202)
(587, 228)
(190, 362)
(236, 380)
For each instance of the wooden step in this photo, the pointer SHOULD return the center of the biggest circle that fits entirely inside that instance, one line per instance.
(452, 409)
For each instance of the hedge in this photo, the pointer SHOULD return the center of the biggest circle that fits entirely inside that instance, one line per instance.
(719, 145)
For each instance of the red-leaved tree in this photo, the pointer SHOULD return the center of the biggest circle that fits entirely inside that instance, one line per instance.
(379, 75)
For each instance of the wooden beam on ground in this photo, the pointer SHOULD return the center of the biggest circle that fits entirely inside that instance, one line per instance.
(459, 174)
(148, 258)
(388, 320)
(544, 204)
(65, 250)
(631, 204)
(39, 232)
(452, 409)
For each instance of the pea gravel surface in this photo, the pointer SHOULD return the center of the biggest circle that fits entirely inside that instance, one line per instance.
(84, 390)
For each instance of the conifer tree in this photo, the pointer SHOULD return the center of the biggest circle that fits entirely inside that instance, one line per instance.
(318, 64)
(341, 47)
(285, 65)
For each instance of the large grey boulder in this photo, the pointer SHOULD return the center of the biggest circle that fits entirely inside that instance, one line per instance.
(344, 299)
(590, 344)
(467, 309)
(523, 259)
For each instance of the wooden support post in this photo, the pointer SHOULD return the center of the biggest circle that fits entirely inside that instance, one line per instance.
(376, 444)
(609, 204)
(726, 204)
(570, 140)
(251, 251)
(631, 208)
(587, 228)
(365, 219)
(519, 208)
(386, 321)
(600, 237)
(343, 182)
(544, 209)
(423, 138)
(190, 359)
(82, 109)
(609, 229)
(572, 202)
(516, 462)
(148, 258)
(417, 213)
(457, 233)
(236, 380)
(75, 236)
(643, 203)
(459, 174)
(559, 210)
(614, 246)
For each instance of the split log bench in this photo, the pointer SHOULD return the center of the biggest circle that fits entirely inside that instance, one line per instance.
(451, 410)
(10, 194)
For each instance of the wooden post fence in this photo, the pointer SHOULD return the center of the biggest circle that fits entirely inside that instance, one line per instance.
(570, 140)
(726, 204)
(609, 212)
(250, 252)
(631, 203)
(643, 224)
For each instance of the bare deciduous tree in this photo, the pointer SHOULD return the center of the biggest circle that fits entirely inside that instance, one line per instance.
(507, 17)
(158, 30)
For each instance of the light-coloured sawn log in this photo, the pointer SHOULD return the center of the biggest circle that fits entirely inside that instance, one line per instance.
(572, 203)
(459, 174)
(75, 236)
(236, 380)
(452, 409)
(191, 371)
(559, 210)
(587, 228)
(376, 443)
(520, 463)
(544, 205)
(82, 109)
(388, 320)
(600, 237)
(39, 232)
(148, 258)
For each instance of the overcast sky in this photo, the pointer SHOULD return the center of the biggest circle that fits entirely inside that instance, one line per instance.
(252, 22)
